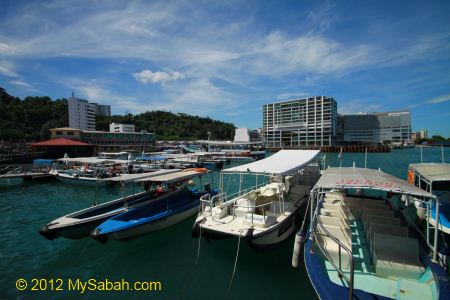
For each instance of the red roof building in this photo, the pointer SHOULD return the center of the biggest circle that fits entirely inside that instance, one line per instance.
(59, 142)
(56, 148)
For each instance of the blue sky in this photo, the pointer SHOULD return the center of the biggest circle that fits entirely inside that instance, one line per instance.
(224, 59)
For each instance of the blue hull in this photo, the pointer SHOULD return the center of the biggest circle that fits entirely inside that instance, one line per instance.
(326, 289)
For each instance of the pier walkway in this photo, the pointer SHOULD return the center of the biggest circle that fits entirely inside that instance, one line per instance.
(26, 171)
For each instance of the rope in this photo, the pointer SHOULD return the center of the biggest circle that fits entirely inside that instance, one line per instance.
(199, 240)
(306, 214)
(235, 264)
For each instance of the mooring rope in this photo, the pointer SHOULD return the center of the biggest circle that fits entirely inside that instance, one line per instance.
(306, 214)
(235, 264)
(199, 240)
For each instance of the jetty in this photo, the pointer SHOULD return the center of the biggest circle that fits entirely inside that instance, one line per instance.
(337, 149)
(24, 171)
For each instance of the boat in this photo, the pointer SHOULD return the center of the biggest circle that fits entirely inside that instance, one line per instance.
(266, 213)
(80, 224)
(363, 242)
(435, 178)
(176, 203)
(256, 150)
(86, 170)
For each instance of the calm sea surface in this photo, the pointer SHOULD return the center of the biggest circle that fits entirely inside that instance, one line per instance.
(167, 256)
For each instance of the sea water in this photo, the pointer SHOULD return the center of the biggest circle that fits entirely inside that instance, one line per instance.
(167, 256)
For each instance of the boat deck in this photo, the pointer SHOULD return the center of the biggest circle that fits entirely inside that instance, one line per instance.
(366, 279)
(386, 260)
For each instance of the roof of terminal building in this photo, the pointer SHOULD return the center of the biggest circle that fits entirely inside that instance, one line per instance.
(65, 128)
(60, 142)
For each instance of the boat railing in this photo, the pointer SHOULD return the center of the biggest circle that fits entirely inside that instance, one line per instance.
(338, 268)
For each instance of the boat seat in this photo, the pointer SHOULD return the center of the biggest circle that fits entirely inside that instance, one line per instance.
(335, 196)
(332, 249)
(219, 212)
(376, 212)
(331, 221)
(396, 257)
(336, 213)
(259, 220)
(385, 229)
(377, 219)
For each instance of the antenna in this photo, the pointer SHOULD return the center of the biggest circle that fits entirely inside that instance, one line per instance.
(73, 94)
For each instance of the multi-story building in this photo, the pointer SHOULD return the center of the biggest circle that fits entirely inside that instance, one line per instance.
(115, 127)
(108, 141)
(102, 110)
(376, 128)
(300, 122)
(243, 134)
(421, 134)
(81, 114)
(115, 141)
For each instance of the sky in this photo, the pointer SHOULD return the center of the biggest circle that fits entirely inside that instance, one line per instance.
(225, 59)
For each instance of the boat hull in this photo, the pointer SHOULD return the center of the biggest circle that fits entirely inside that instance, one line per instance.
(135, 232)
(81, 181)
(75, 226)
(261, 242)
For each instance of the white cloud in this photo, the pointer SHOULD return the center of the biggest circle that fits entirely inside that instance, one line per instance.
(357, 106)
(6, 49)
(6, 69)
(440, 99)
(291, 95)
(23, 84)
(147, 76)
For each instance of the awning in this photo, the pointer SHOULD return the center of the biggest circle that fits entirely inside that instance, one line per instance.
(367, 179)
(282, 162)
(174, 177)
(142, 176)
(432, 171)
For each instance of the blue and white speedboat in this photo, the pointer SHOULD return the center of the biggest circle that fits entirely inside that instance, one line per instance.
(176, 203)
(363, 242)
(79, 224)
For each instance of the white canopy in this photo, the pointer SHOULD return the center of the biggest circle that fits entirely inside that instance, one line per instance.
(175, 176)
(282, 162)
(138, 176)
(433, 171)
(367, 179)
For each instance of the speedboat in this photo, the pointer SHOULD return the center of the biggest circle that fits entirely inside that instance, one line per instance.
(363, 242)
(265, 213)
(176, 203)
(80, 224)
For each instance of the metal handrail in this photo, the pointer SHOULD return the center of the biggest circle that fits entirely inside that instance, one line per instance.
(339, 243)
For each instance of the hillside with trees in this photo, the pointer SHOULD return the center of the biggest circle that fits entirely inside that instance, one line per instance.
(30, 119)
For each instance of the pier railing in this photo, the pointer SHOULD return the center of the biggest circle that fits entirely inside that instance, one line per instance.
(338, 268)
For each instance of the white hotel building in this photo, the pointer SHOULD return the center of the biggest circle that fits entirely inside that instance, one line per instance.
(81, 114)
(300, 123)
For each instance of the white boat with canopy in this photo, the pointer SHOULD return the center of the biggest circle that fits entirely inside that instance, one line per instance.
(363, 240)
(435, 178)
(264, 204)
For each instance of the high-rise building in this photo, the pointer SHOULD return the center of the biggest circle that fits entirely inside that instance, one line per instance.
(377, 128)
(102, 110)
(300, 122)
(81, 114)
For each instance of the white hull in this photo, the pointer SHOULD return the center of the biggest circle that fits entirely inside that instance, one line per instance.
(80, 180)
